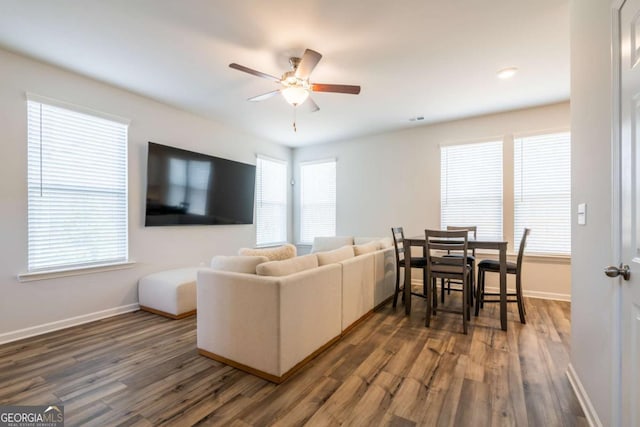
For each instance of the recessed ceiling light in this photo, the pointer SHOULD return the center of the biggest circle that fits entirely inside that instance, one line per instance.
(507, 73)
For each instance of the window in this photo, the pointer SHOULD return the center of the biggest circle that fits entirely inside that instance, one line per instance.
(317, 200)
(271, 201)
(471, 187)
(542, 192)
(77, 188)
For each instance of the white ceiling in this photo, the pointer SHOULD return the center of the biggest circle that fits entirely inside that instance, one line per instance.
(431, 58)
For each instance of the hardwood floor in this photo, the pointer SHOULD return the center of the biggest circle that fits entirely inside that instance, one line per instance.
(141, 369)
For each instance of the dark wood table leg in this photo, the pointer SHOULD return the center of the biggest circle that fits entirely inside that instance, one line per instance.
(407, 278)
(503, 288)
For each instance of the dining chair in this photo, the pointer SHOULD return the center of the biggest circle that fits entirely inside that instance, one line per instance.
(471, 260)
(416, 262)
(440, 266)
(512, 268)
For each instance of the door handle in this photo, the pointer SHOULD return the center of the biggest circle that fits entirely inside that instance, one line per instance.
(623, 270)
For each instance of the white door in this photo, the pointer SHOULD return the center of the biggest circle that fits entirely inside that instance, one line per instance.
(629, 202)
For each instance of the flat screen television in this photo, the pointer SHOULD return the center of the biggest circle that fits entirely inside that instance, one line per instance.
(188, 188)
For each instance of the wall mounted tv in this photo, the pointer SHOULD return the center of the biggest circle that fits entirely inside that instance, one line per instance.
(187, 188)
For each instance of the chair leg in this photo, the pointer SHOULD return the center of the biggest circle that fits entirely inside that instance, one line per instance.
(473, 283)
(448, 287)
(479, 296)
(434, 295)
(397, 291)
(427, 320)
(442, 290)
(520, 299)
(465, 304)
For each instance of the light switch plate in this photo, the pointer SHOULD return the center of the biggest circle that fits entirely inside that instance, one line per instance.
(582, 214)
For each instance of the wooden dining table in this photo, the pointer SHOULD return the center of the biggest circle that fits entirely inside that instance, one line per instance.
(500, 246)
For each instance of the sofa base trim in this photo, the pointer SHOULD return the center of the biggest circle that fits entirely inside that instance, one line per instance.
(357, 322)
(383, 303)
(169, 315)
(265, 375)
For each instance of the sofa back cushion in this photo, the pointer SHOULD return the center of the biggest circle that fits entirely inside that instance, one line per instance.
(386, 242)
(366, 248)
(336, 255)
(323, 244)
(287, 267)
(285, 251)
(237, 264)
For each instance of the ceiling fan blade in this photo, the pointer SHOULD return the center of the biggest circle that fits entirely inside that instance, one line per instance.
(264, 96)
(322, 87)
(254, 72)
(313, 107)
(308, 62)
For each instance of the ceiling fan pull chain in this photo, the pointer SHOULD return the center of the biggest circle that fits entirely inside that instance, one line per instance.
(295, 129)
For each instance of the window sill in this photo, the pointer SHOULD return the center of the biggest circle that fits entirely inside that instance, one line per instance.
(76, 271)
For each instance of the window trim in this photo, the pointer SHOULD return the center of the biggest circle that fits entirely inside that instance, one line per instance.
(523, 135)
(99, 266)
(286, 203)
(334, 160)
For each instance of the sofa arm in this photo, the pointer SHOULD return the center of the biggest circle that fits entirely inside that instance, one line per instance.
(310, 312)
(357, 288)
(238, 318)
(385, 274)
(268, 323)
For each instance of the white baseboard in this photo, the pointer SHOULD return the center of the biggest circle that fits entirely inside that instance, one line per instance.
(530, 294)
(583, 398)
(66, 323)
(539, 294)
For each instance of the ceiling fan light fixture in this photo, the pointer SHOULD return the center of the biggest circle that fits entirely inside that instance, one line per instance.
(295, 95)
(507, 73)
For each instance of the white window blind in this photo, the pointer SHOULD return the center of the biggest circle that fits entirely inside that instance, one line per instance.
(271, 201)
(542, 192)
(317, 200)
(471, 187)
(77, 189)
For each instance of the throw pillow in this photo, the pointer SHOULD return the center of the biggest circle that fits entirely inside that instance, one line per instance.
(285, 251)
(237, 264)
(365, 248)
(323, 244)
(287, 267)
(336, 255)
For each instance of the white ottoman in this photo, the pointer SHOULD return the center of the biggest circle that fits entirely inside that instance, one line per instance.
(170, 293)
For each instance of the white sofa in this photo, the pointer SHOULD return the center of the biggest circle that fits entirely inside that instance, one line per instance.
(271, 323)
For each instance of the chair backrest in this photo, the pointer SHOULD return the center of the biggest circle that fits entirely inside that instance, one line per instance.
(398, 243)
(471, 229)
(439, 242)
(523, 243)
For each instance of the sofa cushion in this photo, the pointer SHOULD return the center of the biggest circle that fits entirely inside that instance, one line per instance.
(287, 267)
(285, 251)
(363, 240)
(323, 244)
(366, 248)
(386, 242)
(336, 255)
(237, 264)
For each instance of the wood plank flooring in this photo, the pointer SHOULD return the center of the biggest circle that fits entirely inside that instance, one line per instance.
(140, 369)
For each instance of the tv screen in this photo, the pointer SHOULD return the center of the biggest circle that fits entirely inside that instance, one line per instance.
(187, 188)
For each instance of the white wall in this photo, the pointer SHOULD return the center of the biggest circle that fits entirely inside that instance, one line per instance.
(26, 305)
(393, 179)
(592, 308)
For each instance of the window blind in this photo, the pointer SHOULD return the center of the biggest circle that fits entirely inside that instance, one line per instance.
(77, 189)
(317, 200)
(471, 187)
(271, 201)
(542, 192)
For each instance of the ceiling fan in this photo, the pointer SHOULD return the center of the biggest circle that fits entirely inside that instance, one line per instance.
(295, 84)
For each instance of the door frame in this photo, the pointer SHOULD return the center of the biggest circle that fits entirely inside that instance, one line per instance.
(616, 213)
